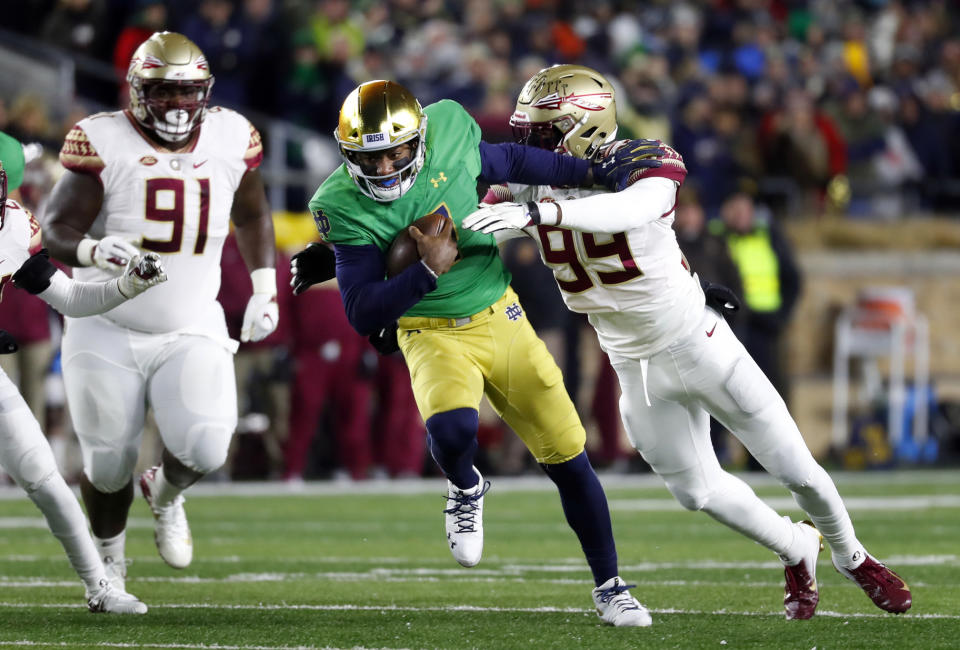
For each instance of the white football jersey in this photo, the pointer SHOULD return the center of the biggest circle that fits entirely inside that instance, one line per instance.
(19, 239)
(175, 204)
(635, 286)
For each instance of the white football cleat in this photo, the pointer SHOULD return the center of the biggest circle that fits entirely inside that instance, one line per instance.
(615, 606)
(171, 531)
(116, 571)
(464, 521)
(110, 600)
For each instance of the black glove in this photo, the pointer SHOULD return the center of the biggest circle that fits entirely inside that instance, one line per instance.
(8, 344)
(721, 299)
(619, 160)
(314, 264)
(385, 340)
(34, 274)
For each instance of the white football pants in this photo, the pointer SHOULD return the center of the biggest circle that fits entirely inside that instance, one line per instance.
(708, 372)
(112, 374)
(26, 456)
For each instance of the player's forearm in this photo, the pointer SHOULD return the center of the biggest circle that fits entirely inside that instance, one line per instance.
(371, 303)
(645, 201)
(74, 204)
(516, 163)
(256, 242)
(79, 299)
(62, 239)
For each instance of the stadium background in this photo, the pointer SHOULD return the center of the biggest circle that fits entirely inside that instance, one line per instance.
(839, 121)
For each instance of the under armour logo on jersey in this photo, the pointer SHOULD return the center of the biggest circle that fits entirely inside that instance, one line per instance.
(441, 179)
(514, 312)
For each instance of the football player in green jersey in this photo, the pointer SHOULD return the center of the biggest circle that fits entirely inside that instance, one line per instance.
(461, 327)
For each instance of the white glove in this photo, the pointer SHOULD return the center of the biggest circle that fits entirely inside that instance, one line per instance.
(140, 274)
(511, 216)
(262, 314)
(110, 253)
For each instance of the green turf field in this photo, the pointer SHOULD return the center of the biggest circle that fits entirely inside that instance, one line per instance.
(331, 567)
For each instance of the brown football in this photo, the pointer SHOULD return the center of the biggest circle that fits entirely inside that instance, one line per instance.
(403, 251)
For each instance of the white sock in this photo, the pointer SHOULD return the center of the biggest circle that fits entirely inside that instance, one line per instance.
(68, 524)
(853, 560)
(112, 547)
(164, 492)
(820, 499)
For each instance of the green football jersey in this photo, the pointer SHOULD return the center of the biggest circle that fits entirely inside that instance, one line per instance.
(11, 155)
(447, 184)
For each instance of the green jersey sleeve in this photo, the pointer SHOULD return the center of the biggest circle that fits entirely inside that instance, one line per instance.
(11, 155)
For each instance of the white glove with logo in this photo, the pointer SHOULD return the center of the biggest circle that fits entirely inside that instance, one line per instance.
(110, 253)
(511, 216)
(140, 274)
(262, 314)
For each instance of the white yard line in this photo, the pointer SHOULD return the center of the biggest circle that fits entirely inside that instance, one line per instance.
(468, 609)
(185, 646)
(532, 483)
(40, 583)
(854, 504)
(503, 566)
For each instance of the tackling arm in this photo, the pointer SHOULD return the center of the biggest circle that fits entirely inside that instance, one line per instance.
(645, 201)
(500, 163)
(78, 299)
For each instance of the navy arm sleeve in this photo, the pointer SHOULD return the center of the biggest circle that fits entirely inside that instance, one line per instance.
(371, 302)
(517, 163)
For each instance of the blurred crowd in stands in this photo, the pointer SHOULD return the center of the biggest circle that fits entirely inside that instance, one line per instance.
(781, 109)
(850, 106)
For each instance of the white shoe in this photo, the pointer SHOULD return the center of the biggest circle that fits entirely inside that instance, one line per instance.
(464, 521)
(116, 571)
(617, 607)
(171, 531)
(108, 599)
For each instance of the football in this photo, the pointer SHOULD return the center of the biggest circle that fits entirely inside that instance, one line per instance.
(403, 251)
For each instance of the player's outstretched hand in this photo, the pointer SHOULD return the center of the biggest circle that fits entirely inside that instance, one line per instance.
(113, 253)
(502, 216)
(438, 252)
(621, 159)
(140, 274)
(314, 264)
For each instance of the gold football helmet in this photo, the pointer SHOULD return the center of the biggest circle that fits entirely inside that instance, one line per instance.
(170, 85)
(566, 109)
(377, 116)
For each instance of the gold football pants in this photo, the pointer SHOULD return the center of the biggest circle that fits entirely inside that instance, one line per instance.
(455, 362)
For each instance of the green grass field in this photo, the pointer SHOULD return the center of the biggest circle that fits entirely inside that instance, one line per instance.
(368, 567)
